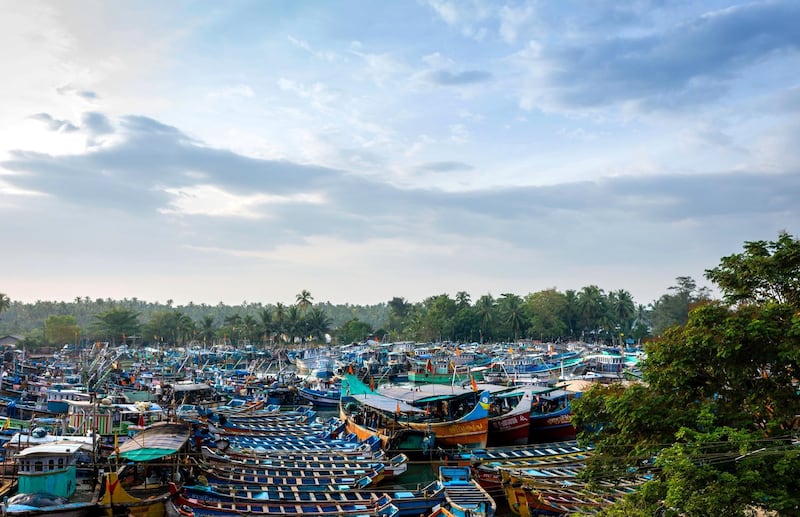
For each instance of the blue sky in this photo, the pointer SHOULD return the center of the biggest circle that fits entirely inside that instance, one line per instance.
(246, 150)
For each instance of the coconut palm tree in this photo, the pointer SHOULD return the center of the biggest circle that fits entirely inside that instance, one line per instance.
(318, 323)
(267, 327)
(486, 308)
(5, 302)
(513, 312)
(304, 300)
(207, 329)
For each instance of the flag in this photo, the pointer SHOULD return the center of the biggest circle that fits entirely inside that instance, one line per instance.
(397, 408)
(429, 366)
(7, 423)
(458, 352)
(116, 444)
(141, 419)
(372, 384)
(350, 369)
(474, 384)
(510, 351)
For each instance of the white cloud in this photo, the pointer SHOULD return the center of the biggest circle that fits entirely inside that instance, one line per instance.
(212, 201)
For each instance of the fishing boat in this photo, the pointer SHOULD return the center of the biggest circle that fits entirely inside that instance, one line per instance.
(328, 398)
(551, 419)
(463, 496)
(510, 418)
(188, 507)
(393, 467)
(47, 477)
(447, 417)
(410, 503)
(114, 500)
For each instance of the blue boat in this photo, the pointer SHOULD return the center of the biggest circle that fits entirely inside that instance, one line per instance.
(464, 496)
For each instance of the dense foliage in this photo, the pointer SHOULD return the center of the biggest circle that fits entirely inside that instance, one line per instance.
(589, 314)
(715, 422)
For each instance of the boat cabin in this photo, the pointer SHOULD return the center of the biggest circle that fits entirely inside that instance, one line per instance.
(48, 468)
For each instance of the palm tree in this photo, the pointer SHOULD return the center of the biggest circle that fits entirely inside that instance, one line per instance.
(250, 328)
(623, 310)
(5, 302)
(462, 299)
(485, 307)
(592, 307)
(318, 323)
(207, 329)
(294, 323)
(280, 320)
(514, 312)
(267, 317)
(304, 300)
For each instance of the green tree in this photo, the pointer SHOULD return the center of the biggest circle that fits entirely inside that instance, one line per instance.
(114, 323)
(592, 308)
(546, 309)
(61, 329)
(765, 271)
(721, 389)
(673, 308)
(486, 308)
(207, 330)
(304, 300)
(267, 320)
(462, 299)
(513, 312)
(318, 323)
(354, 331)
(5, 303)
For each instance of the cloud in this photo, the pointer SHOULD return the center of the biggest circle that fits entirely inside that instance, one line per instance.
(684, 64)
(155, 171)
(96, 123)
(445, 167)
(54, 124)
(446, 78)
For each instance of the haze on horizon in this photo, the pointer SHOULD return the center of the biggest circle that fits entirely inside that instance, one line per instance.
(203, 151)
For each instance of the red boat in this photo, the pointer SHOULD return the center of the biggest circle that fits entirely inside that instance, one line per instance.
(551, 419)
(509, 418)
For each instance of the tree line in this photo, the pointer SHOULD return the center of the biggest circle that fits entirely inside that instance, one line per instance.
(589, 314)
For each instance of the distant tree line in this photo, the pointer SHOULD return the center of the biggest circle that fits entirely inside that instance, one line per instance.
(589, 314)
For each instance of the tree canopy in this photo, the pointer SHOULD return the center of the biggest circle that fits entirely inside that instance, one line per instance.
(713, 423)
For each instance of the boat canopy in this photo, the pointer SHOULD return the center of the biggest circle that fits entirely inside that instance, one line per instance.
(155, 442)
(386, 404)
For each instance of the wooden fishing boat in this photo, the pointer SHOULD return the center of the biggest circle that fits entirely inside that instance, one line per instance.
(310, 479)
(551, 419)
(381, 506)
(392, 467)
(256, 473)
(410, 503)
(463, 496)
(362, 452)
(47, 477)
(114, 500)
(510, 418)
(321, 398)
(368, 413)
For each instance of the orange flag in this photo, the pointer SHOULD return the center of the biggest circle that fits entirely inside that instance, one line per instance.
(350, 369)
(397, 408)
(474, 384)
(372, 383)
(458, 352)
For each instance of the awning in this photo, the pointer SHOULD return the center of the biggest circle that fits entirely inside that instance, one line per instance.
(155, 442)
(194, 386)
(386, 404)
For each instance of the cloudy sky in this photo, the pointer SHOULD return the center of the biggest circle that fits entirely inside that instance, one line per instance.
(245, 150)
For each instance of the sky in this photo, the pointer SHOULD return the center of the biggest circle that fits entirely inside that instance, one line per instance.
(243, 151)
